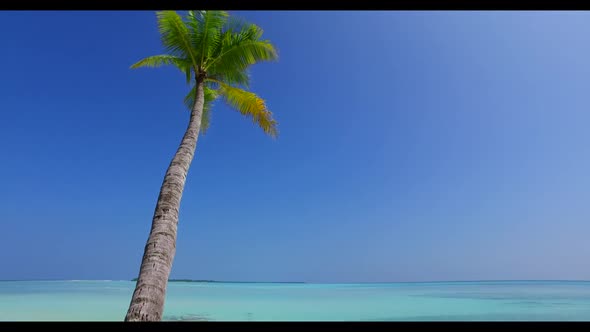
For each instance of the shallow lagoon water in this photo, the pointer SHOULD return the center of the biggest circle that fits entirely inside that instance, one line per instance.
(96, 300)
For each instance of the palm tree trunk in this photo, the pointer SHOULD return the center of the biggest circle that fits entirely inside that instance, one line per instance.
(147, 303)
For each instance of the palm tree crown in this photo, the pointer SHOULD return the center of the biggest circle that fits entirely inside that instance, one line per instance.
(216, 49)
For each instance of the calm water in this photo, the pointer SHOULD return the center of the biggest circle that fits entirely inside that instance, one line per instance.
(108, 300)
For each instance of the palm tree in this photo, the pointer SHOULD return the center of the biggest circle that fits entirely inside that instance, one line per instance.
(214, 51)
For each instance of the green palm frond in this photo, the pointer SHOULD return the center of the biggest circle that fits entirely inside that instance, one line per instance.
(189, 75)
(206, 31)
(154, 61)
(232, 26)
(241, 50)
(189, 99)
(175, 35)
(160, 60)
(250, 105)
(240, 57)
(206, 119)
(222, 39)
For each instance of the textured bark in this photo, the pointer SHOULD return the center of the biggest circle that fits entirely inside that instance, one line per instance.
(147, 303)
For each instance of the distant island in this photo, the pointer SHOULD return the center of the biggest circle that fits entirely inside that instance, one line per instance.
(234, 282)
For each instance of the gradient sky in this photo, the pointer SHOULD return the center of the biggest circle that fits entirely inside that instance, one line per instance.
(413, 146)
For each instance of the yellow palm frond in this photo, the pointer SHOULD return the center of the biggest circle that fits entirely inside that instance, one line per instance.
(250, 105)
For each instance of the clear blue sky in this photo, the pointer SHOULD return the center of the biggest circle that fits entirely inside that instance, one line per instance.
(413, 146)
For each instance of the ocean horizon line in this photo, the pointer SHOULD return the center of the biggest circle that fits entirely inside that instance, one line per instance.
(312, 283)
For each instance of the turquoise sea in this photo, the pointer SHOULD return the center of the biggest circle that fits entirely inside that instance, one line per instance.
(107, 300)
